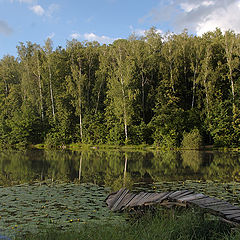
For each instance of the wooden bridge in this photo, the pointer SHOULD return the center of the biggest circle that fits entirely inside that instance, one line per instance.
(123, 199)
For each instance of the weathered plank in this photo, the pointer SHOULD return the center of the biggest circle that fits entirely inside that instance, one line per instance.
(177, 193)
(232, 216)
(156, 198)
(208, 203)
(224, 207)
(184, 194)
(216, 203)
(191, 197)
(125, 201)
(163, 197)
(237, 219)
(115, 206)
(135, 200)
(113, 198)
(229, 212)
(144, 199)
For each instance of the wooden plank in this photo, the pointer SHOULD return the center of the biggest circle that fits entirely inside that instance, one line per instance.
(151, 198)
(237, 219)
(121, 197)
(217, 203)
(229, 212)
(176, 193)
(179, 194)
(163, 197)
(191, 197)
(155, 198)
(204, 201)
(111, 195)
(232, 216)
(109, 199)
(208, 203)
(125, 201)
(183, 195)
(135, 200)
(116, 196)
(224, 207)
(144, 199)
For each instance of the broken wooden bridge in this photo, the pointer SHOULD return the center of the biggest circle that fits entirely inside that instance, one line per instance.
(124, 199)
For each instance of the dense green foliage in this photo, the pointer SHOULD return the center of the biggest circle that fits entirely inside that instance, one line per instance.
(184, 226)
(148, 89)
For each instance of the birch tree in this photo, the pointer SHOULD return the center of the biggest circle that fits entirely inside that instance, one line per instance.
(120, 92)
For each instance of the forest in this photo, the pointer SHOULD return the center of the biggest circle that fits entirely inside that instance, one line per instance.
(152, 89)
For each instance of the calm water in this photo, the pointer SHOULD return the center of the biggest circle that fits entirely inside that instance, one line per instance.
(67, 189)
(116, 168)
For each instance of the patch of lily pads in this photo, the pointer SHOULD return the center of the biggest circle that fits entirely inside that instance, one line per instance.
(29, 208)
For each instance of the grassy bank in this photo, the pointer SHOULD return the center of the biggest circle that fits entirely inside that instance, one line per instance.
(130, 147)
(163, 225)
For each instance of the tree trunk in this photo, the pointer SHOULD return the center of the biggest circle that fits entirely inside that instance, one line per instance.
(51, 91)
(80, 102)
(98, 97)
(124, 111)
(194, 85)
(171, 77)
(143, 97)
(40, 88)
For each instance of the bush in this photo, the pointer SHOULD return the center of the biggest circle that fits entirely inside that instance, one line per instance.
(166, 140)
(192, 140)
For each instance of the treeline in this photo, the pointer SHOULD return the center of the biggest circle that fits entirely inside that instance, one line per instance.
(153, 89)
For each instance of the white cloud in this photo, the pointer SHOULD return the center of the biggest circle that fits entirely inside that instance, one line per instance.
(51, 9)
(93, 37)
(223, 18)
(188, 7)
(24, 1)
(199, 16)
(37, 9)
(141, 32)
(101, 39)
(5, 29)
(75, 36)
(51, 35)
(208, 3)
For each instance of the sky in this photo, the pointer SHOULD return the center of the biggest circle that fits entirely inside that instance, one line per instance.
(108, 20)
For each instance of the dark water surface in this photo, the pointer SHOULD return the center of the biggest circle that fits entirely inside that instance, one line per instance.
(66, 189)
(115, 168)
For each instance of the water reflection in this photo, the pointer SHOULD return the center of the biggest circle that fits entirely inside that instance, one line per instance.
(117, 168)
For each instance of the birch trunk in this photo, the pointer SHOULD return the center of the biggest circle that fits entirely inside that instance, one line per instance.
(229, 54)
(80, 101)
(51, 91)
(40, 88)
(124, 110)
(143, 97)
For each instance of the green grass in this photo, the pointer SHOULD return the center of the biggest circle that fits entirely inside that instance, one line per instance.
(183, 226)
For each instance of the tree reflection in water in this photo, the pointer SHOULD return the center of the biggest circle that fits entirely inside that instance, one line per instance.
(117, 168)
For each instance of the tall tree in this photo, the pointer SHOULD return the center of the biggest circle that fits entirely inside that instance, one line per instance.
(120, 91)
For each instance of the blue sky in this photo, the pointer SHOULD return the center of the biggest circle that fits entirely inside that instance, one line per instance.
(107, 20)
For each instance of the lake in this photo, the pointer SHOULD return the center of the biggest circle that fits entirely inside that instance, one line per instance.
(68, 188)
